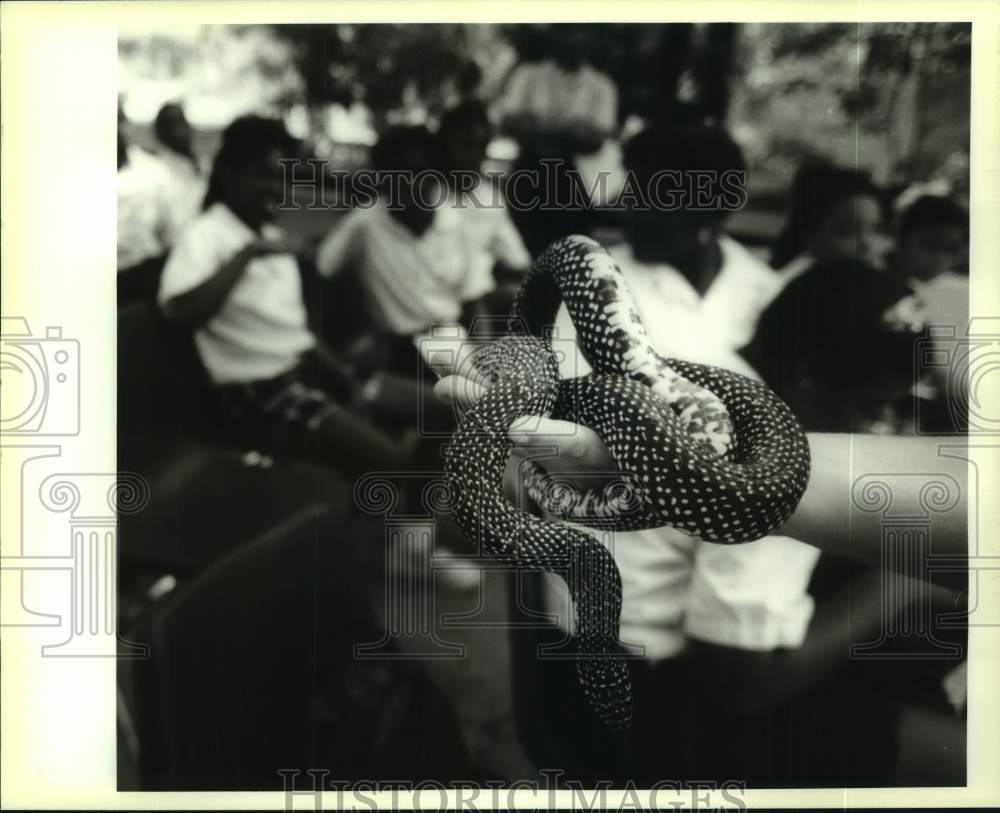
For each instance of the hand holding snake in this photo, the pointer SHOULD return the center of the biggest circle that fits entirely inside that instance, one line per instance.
(698, 448)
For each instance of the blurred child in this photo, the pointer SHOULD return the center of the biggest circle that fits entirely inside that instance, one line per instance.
(837, 342)
(234, 280)
(187, 184)
(418, 265)
(932, 239)
(931, 256)
(406, 250)
(496, 251)
(148, 220)
(838, 346)
(556, 109)
(835, 214)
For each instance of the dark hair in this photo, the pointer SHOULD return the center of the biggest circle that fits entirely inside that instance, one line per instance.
(824, 347)
(160, 122)
(410, 149)
(683, 149)
(161, 126)
(405, 148)
(245, 140)
(686, 147)
(463, 117)
(816, 191)
(931, 212)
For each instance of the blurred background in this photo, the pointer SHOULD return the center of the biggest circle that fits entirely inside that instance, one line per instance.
(256, 569)
(893, 98)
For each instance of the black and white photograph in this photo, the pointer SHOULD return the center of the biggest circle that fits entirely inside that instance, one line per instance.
(358, 268)
(563, 406)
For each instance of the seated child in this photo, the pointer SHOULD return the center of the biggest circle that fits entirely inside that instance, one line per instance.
(234, 280)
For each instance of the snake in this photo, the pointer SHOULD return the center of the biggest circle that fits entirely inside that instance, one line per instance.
(699, 448)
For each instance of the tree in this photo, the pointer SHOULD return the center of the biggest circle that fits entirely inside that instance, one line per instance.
(388, 66)
(891, 97)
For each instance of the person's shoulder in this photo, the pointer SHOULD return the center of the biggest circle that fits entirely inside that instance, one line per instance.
(215, 216)
(598, 78)
(666, 277)
(742, 259)
(146, 165)
(363, 225)
(527, 72)
(177, 165)
(843, 289)
(272, 231)
(849, 277)
(213, 224)
(143, 157)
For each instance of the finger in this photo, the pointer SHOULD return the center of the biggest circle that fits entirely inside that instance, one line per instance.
(458, 390)
(572, 439)
(450, 353)
(563, 469)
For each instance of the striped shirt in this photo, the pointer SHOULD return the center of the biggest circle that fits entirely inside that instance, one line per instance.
(414, 282)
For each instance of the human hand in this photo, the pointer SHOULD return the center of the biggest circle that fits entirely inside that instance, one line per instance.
(572, 451)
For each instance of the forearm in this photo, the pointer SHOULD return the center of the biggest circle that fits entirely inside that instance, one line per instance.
(195, 307)
(769, 678)
(853, 616)
(830, 517)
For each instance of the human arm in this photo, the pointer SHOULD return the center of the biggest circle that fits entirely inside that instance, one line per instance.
(198, 304)
(854, 615)
(341, 247)
(827, 516)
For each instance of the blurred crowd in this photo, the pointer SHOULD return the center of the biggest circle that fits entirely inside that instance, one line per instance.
(310, 351)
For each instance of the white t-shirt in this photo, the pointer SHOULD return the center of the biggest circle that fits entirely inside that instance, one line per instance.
(488, 234)
(415, 282)
(260, 331)
(148, 218)
(750, 596)
(186, 185)
(561, 99)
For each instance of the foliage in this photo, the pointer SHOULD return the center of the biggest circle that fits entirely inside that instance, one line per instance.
(890, 97)
(389, 66)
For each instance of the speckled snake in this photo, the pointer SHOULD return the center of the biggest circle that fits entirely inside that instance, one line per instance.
(699, 448)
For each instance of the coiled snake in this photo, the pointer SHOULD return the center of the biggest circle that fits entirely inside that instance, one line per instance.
(698, 448)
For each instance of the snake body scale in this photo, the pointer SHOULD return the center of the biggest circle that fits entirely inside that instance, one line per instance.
(699, 448)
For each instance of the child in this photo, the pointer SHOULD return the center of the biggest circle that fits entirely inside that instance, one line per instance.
(406, 250)
(931, 257)
(496, 252)
(234, 280)
(932, 238)
(835, 214)
(837, 342)
(148, 219)
(838, 346)
(174, 137)
(556, 110)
